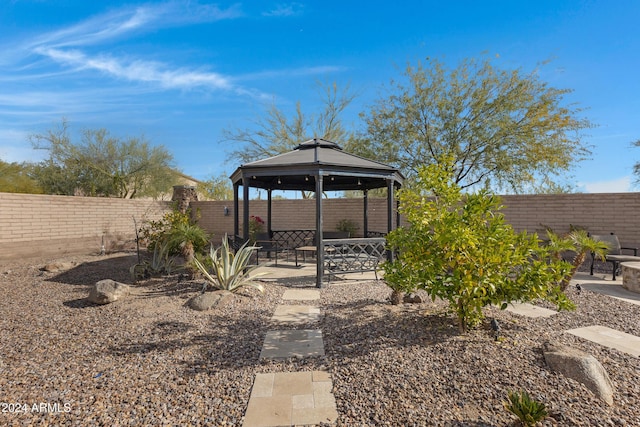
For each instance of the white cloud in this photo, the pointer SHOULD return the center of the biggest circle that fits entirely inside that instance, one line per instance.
(64, 46)
(124, 21)
(620, 185)
(289, 9)
(141, 71)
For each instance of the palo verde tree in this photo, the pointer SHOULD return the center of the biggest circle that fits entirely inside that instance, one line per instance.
(459, 248)
(278, 133)
(102, 165)
(505, 129)
(216, 188)
(18, 178)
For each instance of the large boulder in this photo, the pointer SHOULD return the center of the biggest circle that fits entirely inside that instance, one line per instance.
(580, 366)
(207, 300)
(107, 291)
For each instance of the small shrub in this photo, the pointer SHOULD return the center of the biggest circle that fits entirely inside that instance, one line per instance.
(459, 248)
(154, 232)
(528, 411)
(349, 226)
(177, 234)
(256, 226)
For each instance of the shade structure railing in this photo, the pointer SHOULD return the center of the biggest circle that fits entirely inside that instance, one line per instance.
(353, 255)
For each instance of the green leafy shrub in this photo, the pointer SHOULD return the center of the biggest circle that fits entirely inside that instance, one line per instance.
(528, 411)
(460, 249)
(230, 270)
(177, 233)
(154, 232)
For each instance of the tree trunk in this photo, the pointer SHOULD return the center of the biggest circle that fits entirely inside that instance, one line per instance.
(577, 262)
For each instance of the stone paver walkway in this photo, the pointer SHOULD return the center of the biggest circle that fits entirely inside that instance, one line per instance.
(291, 398)
(602, 335)
(296, 314)
(292, 343)
(301, 295)
(530, 310)
(611, 338)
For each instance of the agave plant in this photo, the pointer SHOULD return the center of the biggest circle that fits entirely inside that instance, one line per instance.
(582, 244)
(529, 411)
(230, 270)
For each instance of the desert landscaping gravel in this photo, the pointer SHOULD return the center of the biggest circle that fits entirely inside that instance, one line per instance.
(149, 360)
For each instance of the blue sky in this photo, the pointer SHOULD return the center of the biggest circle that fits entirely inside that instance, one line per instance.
(178, 72)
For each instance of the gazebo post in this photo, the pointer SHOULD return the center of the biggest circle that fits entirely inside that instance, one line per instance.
(236, 209)
(269, 200)
(319, 243)
(245, 212)
(389, 213)
(365, 220)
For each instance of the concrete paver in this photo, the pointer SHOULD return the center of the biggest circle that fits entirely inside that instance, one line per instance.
(296, 314)
(292, 343)
(603, 284)
(301, 294)
(608, 337)
(530, 310)
(294, 398)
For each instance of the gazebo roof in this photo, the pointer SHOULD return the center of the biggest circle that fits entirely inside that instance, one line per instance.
(296, 170)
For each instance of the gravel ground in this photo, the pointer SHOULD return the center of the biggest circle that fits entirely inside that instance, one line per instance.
(149, 360)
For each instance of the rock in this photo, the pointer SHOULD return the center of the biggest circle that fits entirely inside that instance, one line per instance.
(207, 300)
(107, 291)
(580, 366)
(412, 298)
(55, 267)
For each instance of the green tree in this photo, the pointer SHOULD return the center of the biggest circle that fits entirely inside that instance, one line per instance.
(636, 167)
(102, 165)
(216, 188)
(277, 133)
(18, 178)
(506, 130)
(459, 248)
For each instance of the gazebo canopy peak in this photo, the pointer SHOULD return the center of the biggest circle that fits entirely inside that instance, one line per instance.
(297, 169)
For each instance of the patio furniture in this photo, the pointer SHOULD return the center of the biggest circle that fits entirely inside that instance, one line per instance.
(615, 255)
(353, 255)
(265, 244)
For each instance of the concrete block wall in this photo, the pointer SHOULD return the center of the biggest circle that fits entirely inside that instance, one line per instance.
(41, 225)
(33, 225)
(617, 213)
(290, 214)
(598, 213)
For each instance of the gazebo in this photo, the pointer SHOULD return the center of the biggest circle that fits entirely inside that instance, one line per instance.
(316, 166)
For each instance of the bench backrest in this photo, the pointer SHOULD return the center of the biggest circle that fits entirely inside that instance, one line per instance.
(611, 240)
